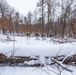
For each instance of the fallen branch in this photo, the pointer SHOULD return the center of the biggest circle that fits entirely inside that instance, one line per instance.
(57, 62)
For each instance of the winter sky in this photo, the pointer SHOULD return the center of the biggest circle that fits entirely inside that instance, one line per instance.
(23, 6)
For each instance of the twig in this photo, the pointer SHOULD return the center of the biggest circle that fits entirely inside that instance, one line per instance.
(52, 71)
(11, 51)
(2, 70)
(14, 70)
(59, 51)
(45, 71)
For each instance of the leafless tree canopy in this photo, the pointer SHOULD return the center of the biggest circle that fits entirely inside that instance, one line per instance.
(55, 18)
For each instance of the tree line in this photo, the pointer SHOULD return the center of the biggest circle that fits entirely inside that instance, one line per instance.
(55, 18)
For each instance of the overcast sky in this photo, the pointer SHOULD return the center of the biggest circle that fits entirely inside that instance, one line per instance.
(23, 6)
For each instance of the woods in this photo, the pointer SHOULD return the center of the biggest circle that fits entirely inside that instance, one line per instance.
(52, 18)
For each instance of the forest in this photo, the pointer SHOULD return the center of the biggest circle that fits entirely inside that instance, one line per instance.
(51, 18)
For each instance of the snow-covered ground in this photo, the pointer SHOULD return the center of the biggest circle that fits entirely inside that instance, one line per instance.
(32, 47)
(32, 71)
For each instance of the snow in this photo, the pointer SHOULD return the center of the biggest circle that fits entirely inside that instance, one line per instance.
(32, 71)
(32, 47)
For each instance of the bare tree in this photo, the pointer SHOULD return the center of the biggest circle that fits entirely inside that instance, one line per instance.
(35, 16)
(10, 16)
(3, 11)
(29, 18)
(41, 6)
(50, 11)
(66, 7)
(16, 22)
